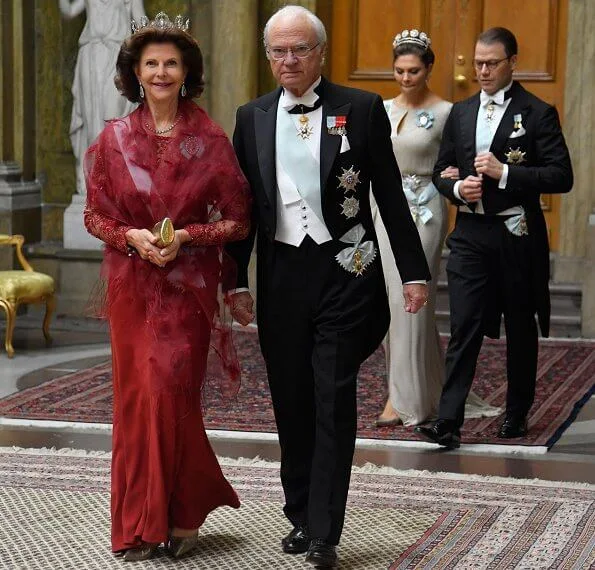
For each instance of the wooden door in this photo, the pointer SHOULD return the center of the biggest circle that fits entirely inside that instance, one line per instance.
(362, 31)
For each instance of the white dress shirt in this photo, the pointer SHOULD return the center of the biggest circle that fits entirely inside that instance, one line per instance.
(295, 218)
(500, 105)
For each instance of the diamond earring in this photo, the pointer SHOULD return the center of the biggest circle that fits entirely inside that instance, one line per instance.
(183, 91)
(141, 90)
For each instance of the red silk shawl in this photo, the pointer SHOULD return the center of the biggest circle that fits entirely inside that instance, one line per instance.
(134, 179)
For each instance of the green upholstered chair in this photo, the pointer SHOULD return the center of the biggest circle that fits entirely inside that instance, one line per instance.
(24, 286)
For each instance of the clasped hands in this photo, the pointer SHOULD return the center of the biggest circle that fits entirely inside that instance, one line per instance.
(485, 163)
(144, 242)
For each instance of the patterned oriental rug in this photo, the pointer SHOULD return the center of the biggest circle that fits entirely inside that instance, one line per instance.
(54, 507)
(566, 380)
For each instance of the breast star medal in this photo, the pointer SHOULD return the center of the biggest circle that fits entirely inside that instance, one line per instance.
(515, 156)
(350, 207)
(305, 129)
(349, 179)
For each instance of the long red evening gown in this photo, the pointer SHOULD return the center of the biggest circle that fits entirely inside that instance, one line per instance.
(163, 321)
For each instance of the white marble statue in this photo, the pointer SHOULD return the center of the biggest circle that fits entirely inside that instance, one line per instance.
(96, 98)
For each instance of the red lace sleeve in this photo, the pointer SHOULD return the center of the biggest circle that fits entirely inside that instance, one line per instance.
(108, 230)
(231, 194)
(234, 227)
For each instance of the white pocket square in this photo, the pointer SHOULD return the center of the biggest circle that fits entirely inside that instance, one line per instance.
(344, 144)
(518, 133)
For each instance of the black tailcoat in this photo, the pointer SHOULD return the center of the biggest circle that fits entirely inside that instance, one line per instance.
(492, 271)
(316, 321)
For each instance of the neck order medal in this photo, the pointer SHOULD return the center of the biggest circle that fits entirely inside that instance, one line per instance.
(305, 129)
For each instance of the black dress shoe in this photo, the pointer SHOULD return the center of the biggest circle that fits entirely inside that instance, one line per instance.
(297, 541)
(442, 432)
(513, 426)
(321, 554)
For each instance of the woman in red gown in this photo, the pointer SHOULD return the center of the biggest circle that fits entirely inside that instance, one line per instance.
(166, 159)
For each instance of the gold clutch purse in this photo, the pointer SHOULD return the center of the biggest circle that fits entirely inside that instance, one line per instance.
(164, 232)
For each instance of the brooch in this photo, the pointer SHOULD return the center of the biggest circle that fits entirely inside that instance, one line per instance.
(356, 258)
(411, 182)
(515, 156)
(349, 179)
(350, 207)
(424, 119)
(336, 125)
(192, 146)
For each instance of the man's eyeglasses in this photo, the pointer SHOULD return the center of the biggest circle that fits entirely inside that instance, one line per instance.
(490, 64)
(300, 52)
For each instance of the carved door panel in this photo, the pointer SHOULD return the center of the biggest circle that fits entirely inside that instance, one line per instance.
(361, 42)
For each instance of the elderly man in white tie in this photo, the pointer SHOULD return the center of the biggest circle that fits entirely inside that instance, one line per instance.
(310, 150)
(509, 148)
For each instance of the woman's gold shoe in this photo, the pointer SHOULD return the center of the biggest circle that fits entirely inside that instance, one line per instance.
(385, 422)
(182, 545)
(388, 417)
(143, 552)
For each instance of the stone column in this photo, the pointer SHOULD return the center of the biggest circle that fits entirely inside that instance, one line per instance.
(234, 67)
(201, 19)
(579, 126)
(588, 301)
(20, 193)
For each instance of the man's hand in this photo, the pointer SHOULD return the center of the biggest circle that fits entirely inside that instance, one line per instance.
(416, 296)
(486, 163)
(470, 189)
(451, 172)
(242, 307)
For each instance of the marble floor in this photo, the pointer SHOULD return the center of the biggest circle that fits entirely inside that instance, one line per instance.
(80, 343)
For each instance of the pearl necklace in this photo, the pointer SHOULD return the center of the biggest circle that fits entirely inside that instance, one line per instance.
(165, 130)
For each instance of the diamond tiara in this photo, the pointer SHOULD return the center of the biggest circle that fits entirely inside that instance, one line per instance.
(412, 37)
(161, 22)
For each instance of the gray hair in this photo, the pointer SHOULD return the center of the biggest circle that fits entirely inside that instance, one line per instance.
(293, 11)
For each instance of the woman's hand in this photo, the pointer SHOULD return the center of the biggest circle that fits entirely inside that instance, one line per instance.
(451, 172)
(144, 243)
(170, 252)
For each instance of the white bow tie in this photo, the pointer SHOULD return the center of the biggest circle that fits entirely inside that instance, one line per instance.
(290, 100)
(497, 98)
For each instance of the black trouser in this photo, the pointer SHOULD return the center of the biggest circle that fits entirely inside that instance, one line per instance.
(487, 267)
(316, 323)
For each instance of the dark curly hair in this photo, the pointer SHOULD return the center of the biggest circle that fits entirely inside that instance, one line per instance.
(132, 48)
(426, 55)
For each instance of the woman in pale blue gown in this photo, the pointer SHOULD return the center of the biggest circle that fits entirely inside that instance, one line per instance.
(414, 357)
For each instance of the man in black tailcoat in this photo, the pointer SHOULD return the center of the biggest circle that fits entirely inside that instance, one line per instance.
(509, 148)
(310, 150)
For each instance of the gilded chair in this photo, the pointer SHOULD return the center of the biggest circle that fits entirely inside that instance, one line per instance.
(24, 286)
